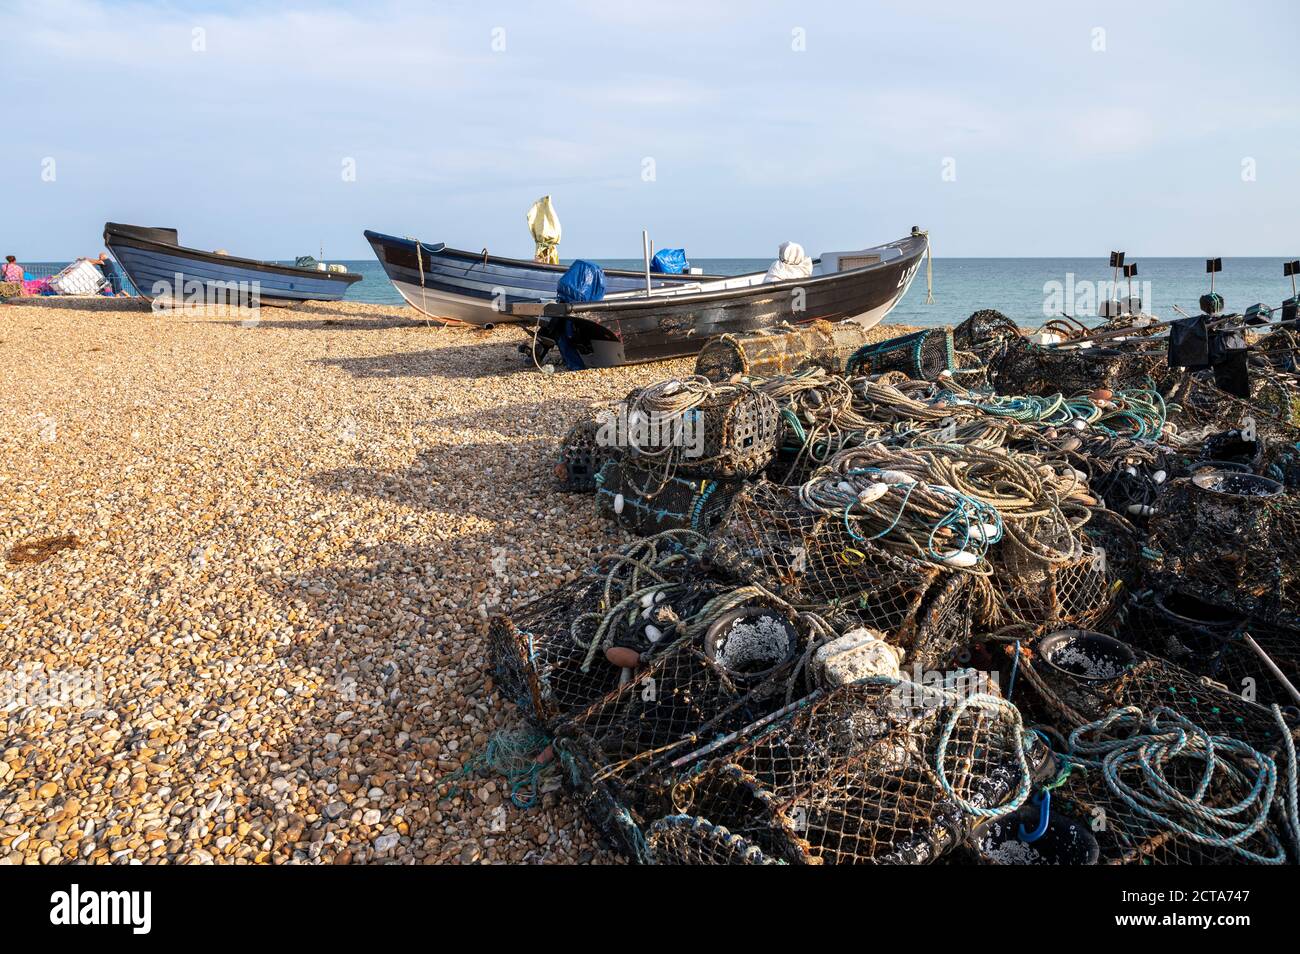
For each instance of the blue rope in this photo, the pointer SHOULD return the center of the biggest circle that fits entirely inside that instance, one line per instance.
(997, 705)
(1165, 735)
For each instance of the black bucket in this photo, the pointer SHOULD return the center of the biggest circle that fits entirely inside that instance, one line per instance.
(1085, 655)
(1196, 628)
(1233, 483)
(751, 643)
(1067, 841)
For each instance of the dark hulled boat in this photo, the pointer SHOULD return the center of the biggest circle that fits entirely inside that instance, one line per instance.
(479, 288)
(632, 327)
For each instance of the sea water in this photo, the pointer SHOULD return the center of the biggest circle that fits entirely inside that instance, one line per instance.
(1028, 290)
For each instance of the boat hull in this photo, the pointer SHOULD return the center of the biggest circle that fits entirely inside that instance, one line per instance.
(164, 271)
(445, 283)
(655, 329)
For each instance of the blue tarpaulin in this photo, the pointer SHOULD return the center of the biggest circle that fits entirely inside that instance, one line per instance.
(669, 261)
(584, 281)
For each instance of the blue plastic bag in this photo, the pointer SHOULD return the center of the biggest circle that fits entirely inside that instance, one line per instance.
(584, 281)
(669, 261)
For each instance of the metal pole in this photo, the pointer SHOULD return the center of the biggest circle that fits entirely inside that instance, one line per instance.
(645, 248)
(1272, 666)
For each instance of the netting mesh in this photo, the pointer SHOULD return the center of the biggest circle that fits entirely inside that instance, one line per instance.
(1235, 536)
(871, 773)
(924, 355)
(812, 560)
(549, 654)
(1022, 367)
(983, 332)
(781, 351)
(688, 840)
(619, 751)
(715, 430)
(1077, 678)
(644, 502)
(1216, 643)
(582, 456)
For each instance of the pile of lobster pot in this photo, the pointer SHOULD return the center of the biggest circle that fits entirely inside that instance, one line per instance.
(904, 601)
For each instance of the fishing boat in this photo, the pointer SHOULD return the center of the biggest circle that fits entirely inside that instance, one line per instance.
(162, 269)
(632, 327)
(479, 288)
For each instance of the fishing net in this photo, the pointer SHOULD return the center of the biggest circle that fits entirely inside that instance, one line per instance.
(781, 351)
(582, 455)
(1079, 676)
(1022, 367)
(924, 355)
(1278, 349)
(643, 502)
(1216, 642)
(549, 653)
(1269, 441)
(688, 840)
(1117, 544)
(1235, 537)
(877, 772)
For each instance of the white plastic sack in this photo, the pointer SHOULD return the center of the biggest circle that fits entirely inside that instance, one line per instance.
(791, 262)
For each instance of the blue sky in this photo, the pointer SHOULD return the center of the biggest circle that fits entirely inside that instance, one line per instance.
(458, 115)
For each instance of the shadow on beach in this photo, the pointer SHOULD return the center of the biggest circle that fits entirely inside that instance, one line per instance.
(489, 358)
(78, 303)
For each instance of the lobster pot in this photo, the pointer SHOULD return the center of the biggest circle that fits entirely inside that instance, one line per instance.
(734, 433)
(780, 351)
(1278, 395)
(923, 355)
(1279, 348)
(810, 559)
(639, 501)
(1075, 592)
(1180, 628)
(540, 663)
(618, 751)
(1235, 537)
(581, 457)
(1194, 402)
(983, 331)
(1026, 368)
(689, 840)
(1117, 544)
(856, 777)
(1209, 641)
(1079, 676)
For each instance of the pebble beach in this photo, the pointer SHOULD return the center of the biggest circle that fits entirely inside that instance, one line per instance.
(245, 573)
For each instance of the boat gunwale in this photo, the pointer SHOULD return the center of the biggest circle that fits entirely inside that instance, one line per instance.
(477, 258)
(919, 248)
